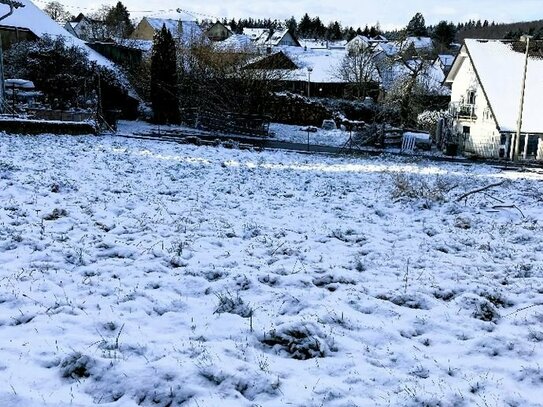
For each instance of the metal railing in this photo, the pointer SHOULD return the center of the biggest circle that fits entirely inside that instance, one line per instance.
(462, 110)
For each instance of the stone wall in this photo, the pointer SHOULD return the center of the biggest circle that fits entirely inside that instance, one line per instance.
(290, 108)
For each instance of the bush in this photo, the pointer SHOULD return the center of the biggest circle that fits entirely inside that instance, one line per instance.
(65, 75)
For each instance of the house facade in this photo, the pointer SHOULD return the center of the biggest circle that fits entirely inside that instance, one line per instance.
(486, 81)
(182, 31)
(218, 32)
(86, 29)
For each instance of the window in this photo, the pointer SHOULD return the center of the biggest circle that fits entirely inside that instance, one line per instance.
(466, 130)
(471, 97)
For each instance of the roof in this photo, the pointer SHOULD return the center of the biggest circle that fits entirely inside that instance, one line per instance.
(32, 18)
(255, 33)
(446, 59)
(418, 42)
(236, 42)
(190, 29)
(274, 38)
(500, 70)
(157, 24)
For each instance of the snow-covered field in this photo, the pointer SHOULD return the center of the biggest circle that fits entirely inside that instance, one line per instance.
(139, 273)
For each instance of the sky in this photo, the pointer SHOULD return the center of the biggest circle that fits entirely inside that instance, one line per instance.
(389, 13)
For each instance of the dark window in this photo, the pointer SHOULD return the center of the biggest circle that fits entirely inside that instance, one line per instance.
(471, 97)
(466, 130)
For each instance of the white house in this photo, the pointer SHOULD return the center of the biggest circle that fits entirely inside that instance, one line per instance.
(86, 28)
(486, 81)
(278, 38)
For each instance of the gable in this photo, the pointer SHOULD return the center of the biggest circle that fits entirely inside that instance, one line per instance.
(500, 70)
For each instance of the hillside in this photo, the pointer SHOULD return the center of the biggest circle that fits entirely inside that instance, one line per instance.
(499, 31)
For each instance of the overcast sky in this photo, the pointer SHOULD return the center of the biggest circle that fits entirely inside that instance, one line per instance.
(389, 13)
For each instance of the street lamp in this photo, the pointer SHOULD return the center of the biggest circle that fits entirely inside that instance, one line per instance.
(516, 145)
(309, 70)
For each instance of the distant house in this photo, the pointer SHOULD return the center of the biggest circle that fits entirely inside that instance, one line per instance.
(275, 61)
(218, 32)
(184, 31)
(444, 62)
(264, 37)
(278, 38)
(486, 82)
(86, 28)
(358, 43)
(255, 33)
(418, 43)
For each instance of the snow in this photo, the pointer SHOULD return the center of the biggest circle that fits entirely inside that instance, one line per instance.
(446, 60)
(500, 70)
(34, 19)
(146, 273)
(255, 33)
(323, 62)
(236, 42)
(189, 29)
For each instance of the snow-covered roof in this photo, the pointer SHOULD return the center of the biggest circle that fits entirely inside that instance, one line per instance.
(500, 70)
(324, 64)
(420, 43)
(446, 59)
(189, 29)
(236, 42)
(255, 33)
(313, 44)
(388, 48)
(35, 20)
(157, 24)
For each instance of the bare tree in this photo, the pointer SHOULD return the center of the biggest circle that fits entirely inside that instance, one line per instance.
(57, 11)
(408, 81)
(358, 68)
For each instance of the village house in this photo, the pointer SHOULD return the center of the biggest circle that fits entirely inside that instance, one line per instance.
(184, 30)
(86, 29)
(218, 32)
(486, 80)
(278, 38)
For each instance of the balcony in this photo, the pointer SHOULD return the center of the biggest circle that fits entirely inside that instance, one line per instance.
(463, 111)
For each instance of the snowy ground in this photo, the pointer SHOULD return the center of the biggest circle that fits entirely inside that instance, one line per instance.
(145, 273)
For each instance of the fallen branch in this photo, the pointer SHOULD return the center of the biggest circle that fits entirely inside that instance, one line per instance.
(475, 191)
(509, 207)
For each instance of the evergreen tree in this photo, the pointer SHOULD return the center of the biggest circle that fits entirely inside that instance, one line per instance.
(292, 25)
(164, 78)
(444, 34)
(304, 28)
(417, 26)
(118, 21)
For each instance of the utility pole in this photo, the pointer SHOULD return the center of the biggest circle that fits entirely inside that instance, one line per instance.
(309, 70)
(13, 4)
(516, 145)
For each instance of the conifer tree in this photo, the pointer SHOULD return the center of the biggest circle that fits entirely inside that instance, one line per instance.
(118, 21)
(417, 26)
(164, 93)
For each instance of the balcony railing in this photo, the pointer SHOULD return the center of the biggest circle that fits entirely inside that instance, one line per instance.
(462, 110)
